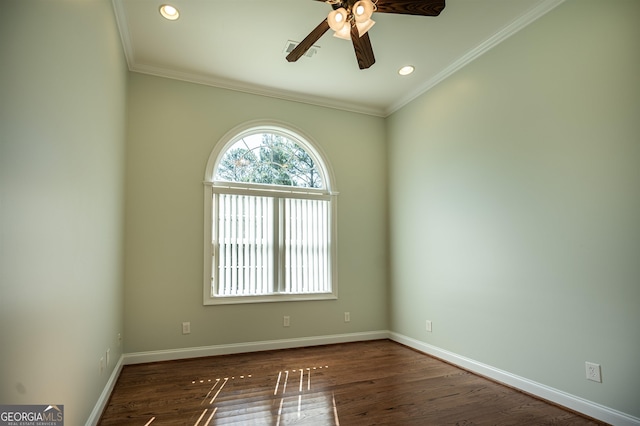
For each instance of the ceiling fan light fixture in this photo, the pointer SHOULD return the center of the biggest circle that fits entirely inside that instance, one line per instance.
(362, 11)
(344, 33)
(169, 12)
(363, 27)
(337, 19)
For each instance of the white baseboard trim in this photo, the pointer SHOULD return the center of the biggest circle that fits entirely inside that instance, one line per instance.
(94, 417)
(556, 396)
(172, 354)
(234, 348)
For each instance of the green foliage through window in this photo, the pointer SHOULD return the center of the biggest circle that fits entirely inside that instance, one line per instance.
(270, 159)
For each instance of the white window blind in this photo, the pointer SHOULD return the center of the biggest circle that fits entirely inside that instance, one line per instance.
(245, 241)
(306, 246)
(256, 236)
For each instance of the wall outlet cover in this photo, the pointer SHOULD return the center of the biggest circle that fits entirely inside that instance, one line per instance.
(593, 371)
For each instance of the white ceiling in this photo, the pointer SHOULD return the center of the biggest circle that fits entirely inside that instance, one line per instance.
(239, 44)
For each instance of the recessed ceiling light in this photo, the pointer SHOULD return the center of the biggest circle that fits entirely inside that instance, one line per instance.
(169, 12)
(406, 70)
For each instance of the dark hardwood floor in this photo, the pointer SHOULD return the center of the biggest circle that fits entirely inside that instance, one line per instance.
(363, 383)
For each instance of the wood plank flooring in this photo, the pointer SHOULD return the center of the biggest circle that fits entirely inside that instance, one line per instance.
(363, 383)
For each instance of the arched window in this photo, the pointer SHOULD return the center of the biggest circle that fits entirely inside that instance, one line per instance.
(270, 225)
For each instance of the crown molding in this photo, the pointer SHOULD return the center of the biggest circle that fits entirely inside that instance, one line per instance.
(506, 32)
(238, 86)
(521, 22)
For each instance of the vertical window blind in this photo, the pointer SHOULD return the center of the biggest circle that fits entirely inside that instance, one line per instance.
(306, 246)
(267, 245)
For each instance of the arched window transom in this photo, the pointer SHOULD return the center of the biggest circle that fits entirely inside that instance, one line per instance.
(270, 159)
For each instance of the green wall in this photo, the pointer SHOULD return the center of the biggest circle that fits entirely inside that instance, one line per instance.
(62, 132)
(509, 210)
(173, 127)
(515, 205)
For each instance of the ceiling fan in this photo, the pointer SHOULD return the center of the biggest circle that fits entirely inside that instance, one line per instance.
(351, 19)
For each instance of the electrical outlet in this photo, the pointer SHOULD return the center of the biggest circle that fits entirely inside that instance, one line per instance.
(286, 321)
(428, 326)
(119, 339)
(186, 328)
(347, 317)
(108, 357)
(101, 366)
(593, 372)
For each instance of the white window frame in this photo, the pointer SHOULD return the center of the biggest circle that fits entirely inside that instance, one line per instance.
(213, 187)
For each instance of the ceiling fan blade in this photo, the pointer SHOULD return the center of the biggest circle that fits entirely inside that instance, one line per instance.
(308, 41)
(363, 49)
(411, 7)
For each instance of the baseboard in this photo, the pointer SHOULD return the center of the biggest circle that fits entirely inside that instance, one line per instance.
(556, 396)
(173, 354)
(94, 417)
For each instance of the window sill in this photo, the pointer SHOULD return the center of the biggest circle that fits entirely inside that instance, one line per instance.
(235, 300)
